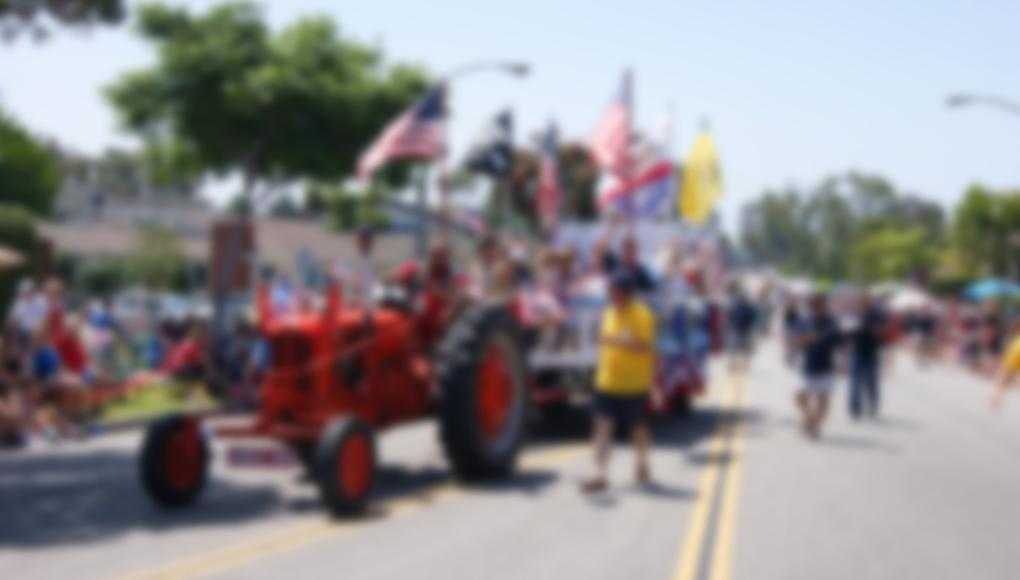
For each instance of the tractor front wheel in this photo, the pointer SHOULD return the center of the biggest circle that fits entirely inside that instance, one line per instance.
(345, 465)
(174, 461)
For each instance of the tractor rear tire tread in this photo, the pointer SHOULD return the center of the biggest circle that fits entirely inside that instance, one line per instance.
(460, 355)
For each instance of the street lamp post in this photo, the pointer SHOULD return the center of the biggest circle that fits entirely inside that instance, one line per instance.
(960, 100)
(513, 68)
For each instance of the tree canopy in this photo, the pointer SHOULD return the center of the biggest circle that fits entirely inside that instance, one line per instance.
(29, 175)
(17, 16)
(836, 229)
(891, 253)
(301, 103)
(986, 231)
(18, 232)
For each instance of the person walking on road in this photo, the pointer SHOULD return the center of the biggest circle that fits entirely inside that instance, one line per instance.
(927, 335)
(819, 340)
(1009, 369)
(624, 379)
(865, 368)
(792, 324)
(742, 320)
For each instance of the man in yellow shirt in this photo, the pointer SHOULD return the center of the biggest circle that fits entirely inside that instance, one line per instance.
(624, 378)
(1009, 368)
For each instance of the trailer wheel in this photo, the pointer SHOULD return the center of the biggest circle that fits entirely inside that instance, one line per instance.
(483, 393)
(345, 465)
(175, 461)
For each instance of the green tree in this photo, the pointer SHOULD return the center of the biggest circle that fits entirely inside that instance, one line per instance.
(17, 232)
(892, 254)
(302, 103)
(823, 231)
(773, 231)
(29, 174)
(17, 16)
(928, 215)
(986, 231)
(830, 221)
(171, 167)
(347, 209)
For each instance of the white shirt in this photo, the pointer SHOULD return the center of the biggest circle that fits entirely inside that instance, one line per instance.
(30, 311)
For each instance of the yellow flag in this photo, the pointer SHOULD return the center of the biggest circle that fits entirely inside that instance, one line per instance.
(701, 185)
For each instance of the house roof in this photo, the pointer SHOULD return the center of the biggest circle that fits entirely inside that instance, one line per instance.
(278, 241)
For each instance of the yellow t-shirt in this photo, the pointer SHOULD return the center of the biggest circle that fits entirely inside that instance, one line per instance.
(622, 371)
(1011, 360)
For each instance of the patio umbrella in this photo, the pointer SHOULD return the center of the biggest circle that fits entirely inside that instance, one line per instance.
(992, 288)
(10, 259)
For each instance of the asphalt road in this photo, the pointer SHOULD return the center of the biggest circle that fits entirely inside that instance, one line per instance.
(929, 491)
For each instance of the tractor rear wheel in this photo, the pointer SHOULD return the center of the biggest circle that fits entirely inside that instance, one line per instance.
(345, 465)
(483, 393)
(175, 461)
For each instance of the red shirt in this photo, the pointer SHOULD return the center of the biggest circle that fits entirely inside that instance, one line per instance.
(72, 353)
(185, 354)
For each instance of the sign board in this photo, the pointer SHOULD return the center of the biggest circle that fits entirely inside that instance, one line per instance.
(233, 245)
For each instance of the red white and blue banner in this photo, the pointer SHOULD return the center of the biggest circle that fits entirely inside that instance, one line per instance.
(648, 195)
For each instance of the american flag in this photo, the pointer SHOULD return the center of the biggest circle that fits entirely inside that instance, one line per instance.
(493, 154)
(549, 191)
(611, 143)
(416, 134)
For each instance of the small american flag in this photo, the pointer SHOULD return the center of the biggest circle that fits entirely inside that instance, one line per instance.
(549, 191)
(416, 134)
(610, 144)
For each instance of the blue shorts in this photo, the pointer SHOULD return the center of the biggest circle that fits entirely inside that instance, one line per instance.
(624, 410)
(45, 363)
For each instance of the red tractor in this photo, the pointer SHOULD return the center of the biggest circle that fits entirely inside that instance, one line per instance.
(340, 374)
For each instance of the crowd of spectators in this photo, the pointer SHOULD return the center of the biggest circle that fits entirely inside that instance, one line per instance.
(63, 361)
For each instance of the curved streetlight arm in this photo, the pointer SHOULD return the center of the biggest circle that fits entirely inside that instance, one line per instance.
(965, 100)
(515, 68)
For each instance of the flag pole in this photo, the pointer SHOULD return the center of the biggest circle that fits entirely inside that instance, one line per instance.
(421, 207)
(627, 173)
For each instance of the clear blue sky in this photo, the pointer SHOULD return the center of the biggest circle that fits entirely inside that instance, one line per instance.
(794, 90)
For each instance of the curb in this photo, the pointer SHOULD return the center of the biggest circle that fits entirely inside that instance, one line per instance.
(139, 423)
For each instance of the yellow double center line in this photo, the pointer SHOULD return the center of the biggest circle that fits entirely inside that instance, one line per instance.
(707, 548)
(299, 535)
